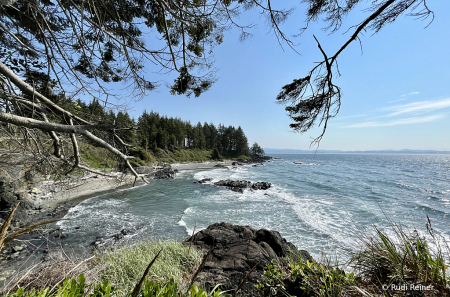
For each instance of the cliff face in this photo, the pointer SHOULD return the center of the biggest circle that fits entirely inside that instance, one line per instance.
(17, 181)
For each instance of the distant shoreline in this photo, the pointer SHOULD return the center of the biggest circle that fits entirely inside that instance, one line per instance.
(325, 152)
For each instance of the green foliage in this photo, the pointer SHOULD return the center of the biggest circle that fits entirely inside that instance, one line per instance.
(142, 154)
(305, 279)
(72, 288)
(97, 157)
(257, 150)
(160, 132)
(402, 258)
(69, 288)
(124, 267)
(216, 155)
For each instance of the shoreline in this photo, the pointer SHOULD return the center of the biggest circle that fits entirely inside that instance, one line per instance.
(57, 198)
(53, 200)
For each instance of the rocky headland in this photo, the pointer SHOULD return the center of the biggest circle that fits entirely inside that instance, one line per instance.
(234, 250)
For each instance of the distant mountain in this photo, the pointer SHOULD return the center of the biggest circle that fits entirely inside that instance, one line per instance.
(269, 151)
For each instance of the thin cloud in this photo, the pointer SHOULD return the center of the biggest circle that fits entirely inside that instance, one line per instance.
(407, 121)
(419, 107)
(411, 94)
(396, 100)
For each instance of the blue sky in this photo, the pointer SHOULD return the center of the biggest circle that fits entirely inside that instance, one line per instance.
(396, 91)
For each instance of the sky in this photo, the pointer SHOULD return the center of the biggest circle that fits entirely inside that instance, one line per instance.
(396, 90)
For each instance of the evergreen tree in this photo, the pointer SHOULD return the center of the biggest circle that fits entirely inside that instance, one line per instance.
(241, 142)
(257, 150)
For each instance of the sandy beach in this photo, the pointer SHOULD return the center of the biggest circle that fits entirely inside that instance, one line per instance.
(76, 189)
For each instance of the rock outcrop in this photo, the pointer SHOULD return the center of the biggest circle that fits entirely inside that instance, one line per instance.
(235, 250)
(101, 244)
(16, 185)
(165, 172)
(240, 185)
(202, 181)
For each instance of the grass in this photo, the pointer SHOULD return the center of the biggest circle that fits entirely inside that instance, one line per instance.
(124, 267)
(97, 157)
(404, 258)
(384, 264)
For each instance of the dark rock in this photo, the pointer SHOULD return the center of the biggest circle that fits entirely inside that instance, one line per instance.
(59, 234)
(10, 195)
(220, 166)
(122, 234)
(126, 231)
(236, 189)
(259, 159)
(101, 243)
(242, 184)
(261, 185)
(235, 250)
(165, 172)
(203, 180)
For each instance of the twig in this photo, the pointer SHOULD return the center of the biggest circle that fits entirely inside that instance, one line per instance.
(139, 285)
(68, 273)
(192, 237)
(199, 269)
(245, 278)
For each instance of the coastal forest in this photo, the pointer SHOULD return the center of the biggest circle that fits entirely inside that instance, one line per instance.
(157, 137)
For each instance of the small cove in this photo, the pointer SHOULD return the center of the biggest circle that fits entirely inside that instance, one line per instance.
(321, 205)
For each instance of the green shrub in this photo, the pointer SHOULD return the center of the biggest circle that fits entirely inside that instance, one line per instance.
(142, 154)
(97, 157)
(305, 279)
(72, 288)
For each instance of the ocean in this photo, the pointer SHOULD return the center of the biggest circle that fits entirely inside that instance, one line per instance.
(322, 203)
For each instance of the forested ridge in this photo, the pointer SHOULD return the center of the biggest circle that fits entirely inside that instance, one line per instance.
(152, 132)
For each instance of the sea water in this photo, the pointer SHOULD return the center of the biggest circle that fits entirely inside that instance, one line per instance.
(322, 203)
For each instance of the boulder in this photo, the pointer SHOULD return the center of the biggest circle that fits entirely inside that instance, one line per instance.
(102, 244)
(235, 250)
(165, 172)
(202, 181)
(240, 185)
(261, 185)
(9, 197)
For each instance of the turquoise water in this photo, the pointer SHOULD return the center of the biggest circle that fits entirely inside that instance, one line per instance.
(321, 205)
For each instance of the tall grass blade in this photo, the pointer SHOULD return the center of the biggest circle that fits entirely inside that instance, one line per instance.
(139, 284)
(192, 237)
